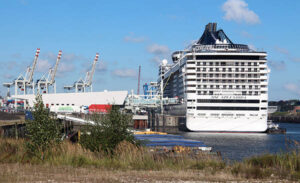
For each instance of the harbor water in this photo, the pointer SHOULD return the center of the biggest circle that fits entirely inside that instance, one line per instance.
(237, 146)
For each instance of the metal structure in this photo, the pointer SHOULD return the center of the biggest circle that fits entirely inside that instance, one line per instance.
(24, 83)
(82, 85)
(45, 83)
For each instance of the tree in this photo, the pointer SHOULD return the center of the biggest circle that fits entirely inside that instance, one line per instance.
(107, 132)
(43, 132)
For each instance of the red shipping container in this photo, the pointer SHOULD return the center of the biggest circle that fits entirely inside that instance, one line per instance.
(102, 108)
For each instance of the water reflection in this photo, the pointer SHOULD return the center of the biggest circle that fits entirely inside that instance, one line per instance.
(237, 146)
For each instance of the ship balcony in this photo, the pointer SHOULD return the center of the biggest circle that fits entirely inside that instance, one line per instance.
(190, 76)
(264, 83)
(190, 65)
(263, 77)
(263, 66)
(191, 82)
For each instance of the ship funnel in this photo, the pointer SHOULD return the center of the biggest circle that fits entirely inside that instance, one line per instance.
(211, 27)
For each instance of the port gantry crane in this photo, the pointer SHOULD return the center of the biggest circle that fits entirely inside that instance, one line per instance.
(44, 83)
(23, 84)
(82, 85)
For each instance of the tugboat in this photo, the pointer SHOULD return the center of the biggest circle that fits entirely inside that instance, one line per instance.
(274, 128)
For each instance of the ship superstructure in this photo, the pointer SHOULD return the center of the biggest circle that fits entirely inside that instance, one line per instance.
(222, 86)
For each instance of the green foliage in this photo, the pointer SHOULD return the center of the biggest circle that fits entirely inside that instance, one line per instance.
(107, 132)
(43, 132)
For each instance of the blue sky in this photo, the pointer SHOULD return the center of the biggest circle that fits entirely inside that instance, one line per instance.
(132, 33)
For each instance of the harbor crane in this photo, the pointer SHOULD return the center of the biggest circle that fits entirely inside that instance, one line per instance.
(82, 85)
(45, 83)
(24, 83)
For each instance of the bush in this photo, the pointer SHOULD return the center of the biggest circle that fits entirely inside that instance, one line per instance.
(107, 132)
(43, 132)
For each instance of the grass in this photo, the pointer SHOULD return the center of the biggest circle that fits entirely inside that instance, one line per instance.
(129, 159)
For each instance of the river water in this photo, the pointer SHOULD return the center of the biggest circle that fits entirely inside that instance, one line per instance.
(237, 146)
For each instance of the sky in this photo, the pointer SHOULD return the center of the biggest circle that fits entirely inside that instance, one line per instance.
(142, 32)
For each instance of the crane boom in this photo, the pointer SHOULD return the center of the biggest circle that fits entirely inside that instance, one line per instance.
(33, 65)
(91, 73)
(55, 67)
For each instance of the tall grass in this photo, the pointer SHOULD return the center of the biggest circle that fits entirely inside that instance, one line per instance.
(127, 156)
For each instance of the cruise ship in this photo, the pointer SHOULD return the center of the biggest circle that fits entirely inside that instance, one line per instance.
(221, 86)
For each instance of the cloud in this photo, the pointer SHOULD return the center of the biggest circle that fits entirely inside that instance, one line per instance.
(158, 49)
(295, 59)
(292, 88)
(8, 76)
(279, 66)
(125, 73)
(134, 39)
(101, 66)
(42, 65)
(287, 53)
(246, 34)
(238, 11)
(64, 67)
(282, 50)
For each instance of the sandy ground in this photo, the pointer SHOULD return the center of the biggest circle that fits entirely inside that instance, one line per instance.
(37, 173)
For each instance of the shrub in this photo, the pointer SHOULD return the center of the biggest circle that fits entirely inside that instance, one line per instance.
(107, 132)
(43, 132)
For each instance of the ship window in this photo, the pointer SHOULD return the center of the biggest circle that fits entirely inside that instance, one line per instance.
(72, 104)
(227, 101)
(217, 63)
(190, 57)
(217, 69)
(264, 101)
(57, 104)
(210, 63)
(211, 92)
(263, 108)
(228, 108)
(62, 104)
(204, 63)
(263, 92)
(243, 63)
(52, 104)
(237, 69)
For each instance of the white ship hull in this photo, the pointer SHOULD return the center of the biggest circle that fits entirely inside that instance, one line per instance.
(243, 124)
